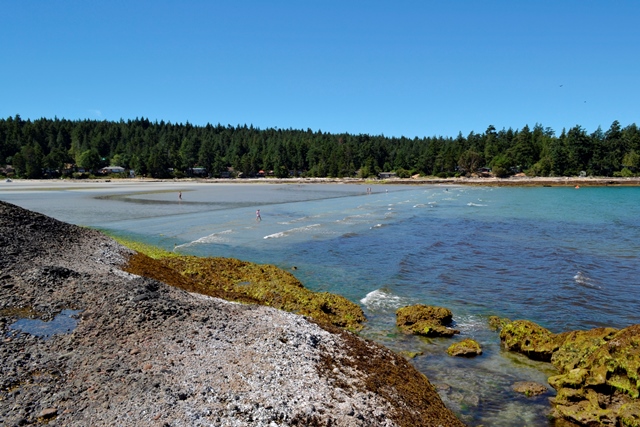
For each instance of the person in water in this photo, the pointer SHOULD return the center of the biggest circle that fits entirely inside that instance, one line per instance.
(258, 217)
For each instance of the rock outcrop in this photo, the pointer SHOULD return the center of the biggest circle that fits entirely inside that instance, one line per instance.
(134, 351)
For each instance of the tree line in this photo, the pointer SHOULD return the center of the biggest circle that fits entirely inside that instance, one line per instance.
(54, 147)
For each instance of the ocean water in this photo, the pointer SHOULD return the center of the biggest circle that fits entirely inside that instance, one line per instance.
(564, 258)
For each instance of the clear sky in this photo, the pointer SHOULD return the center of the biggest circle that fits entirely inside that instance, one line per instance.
(398, 68)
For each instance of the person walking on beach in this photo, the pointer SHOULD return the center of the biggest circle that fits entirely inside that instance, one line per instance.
(180, 195)
(258, 217)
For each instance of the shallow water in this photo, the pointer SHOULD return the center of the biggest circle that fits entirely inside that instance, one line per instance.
(564, 258)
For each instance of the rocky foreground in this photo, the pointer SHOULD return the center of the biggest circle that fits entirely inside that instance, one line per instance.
(139, 352)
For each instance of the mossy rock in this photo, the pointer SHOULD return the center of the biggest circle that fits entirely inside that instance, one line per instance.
(577, 346)
(629, 415)
(617, 363)
(586, 413)
(425, 320)
(465, 348)
(605, 388)
(242, 281)
(497, 323)
(530, 339)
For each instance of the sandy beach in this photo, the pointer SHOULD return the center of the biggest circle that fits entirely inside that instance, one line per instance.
(132, 184)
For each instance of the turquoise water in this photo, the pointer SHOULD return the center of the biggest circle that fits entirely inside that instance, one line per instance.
(564, 258)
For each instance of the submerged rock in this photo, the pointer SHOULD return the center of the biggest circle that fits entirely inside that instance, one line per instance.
(529, 388)
(425, 320)
(465, 348)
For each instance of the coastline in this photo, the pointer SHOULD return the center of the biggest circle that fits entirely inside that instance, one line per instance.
(136, 351)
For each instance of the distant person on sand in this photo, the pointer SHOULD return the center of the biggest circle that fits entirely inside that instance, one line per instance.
(180, 195)
(258, 217)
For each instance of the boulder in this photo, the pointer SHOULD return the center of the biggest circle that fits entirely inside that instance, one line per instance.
(425, 320)
(599, 370)
(604, 385)
(578, 346)
(465, 348)
(530, 339)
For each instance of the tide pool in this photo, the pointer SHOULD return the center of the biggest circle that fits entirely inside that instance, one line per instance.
(564, 258)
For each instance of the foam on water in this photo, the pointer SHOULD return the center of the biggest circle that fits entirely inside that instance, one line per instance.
(218, 237)
(583, 280)
(383, 300)
(291, 231)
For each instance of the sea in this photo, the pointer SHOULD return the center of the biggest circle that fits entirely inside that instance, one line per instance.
(562, 257)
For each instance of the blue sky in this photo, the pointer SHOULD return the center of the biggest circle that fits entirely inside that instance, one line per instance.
(403, 68)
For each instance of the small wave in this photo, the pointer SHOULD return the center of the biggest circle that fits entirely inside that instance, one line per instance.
(382, 299)
(583, 280)
(211, 238)
(470, 323)
(474, 204)
(351, 218)
(290, 232)
(296, 220)
(419, 205)
(377, 226)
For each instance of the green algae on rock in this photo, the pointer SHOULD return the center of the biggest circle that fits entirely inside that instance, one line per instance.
(242, 281)
(465, 348)
(425, 320)
(604, 386)
(578, 346)
(530, 339)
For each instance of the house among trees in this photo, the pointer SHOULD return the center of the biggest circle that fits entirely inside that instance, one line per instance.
(387, 175)
(112, 169)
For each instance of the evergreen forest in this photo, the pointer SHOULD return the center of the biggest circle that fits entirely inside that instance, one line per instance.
(58, 147)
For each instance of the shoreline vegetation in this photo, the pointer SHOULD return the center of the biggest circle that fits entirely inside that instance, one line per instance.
(78, 148)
